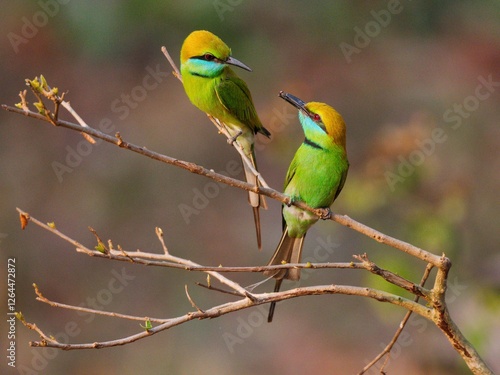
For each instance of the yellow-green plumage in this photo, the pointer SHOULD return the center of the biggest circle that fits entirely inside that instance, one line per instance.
(214, 88)
(316, 176)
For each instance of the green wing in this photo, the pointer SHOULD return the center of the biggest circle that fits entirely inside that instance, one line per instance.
(342, 182)
(289, 176)
(234, 95)
(291, 171)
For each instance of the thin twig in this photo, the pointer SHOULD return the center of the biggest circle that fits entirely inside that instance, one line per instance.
(159, 234)
(117, 255)
(393, 278)
(191, 300)
(438, 312)
(211, 287)
(274, 194)
(23, 104)
(217, 311)
(168, 260)
(402, 325)
(44, 299)
(177, 73)
(77, 117)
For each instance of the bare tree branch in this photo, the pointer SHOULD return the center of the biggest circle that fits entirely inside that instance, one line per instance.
(167, 260)
(388, 348)
(43, 299)
(435, 310)
(274, 194)
(226, 308)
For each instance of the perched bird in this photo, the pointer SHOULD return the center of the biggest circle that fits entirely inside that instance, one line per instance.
(214, 88)
(315, 176)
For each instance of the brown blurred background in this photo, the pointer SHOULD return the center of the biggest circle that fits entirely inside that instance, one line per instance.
(417, 84)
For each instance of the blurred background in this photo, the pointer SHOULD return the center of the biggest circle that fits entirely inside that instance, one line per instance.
(417, 84)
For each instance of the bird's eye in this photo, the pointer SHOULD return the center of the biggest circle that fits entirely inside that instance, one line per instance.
(209, 57)
(316, 117)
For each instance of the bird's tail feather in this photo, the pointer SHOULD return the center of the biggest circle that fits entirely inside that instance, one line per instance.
(273, 304)
(289, 250)
(256, 201)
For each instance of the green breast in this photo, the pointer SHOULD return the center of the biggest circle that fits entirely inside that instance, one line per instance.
(318, 175)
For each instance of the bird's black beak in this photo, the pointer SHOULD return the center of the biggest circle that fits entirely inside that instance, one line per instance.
(232, 61)
(293, 100)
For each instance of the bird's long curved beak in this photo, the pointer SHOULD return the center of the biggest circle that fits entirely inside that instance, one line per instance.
(293, 100)
(232, 61)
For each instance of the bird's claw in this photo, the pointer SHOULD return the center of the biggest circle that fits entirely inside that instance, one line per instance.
(290, 201)
(326, 214)
(232, 139)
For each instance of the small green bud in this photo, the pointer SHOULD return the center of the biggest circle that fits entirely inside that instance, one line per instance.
(19, 315)
(100, 247)
(35, 84)
(147, 325)
(40, 107)
(45, 86)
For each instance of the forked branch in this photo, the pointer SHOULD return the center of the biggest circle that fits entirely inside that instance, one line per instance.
(435, 309)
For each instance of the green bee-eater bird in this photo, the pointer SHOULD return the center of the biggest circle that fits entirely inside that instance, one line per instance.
(213, 87)
(315, 176)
